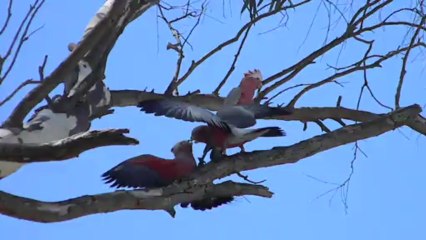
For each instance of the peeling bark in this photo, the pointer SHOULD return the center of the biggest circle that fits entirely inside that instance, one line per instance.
(64, 149)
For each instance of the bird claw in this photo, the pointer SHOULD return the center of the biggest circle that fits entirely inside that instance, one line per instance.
(216, 155)
(201, 162)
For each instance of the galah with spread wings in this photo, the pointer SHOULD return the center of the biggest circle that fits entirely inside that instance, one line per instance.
(238, 108)
(149, 171)
(240, 116)
(221, 139)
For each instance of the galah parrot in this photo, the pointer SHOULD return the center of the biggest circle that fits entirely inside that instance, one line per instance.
(238, 109)
(221, 139)
(148, 171)
(240, 116)
(244, 93)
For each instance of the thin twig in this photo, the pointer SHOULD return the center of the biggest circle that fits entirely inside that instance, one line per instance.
(228, 42)
(23, 84)
(9, 15)
(24, 37)
(355, 68)
(232, 68)
(404, 63)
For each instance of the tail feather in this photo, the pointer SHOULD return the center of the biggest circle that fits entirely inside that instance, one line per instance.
(271, 132)
(209, 203)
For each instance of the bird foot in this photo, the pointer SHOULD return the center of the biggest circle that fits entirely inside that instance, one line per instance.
(201, 162)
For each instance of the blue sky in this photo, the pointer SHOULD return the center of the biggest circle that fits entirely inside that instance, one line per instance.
(386, 194)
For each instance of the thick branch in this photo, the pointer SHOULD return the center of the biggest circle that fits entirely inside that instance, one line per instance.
(60, 73)
(156, 199)
(64, 149)
(98, 41)
(125, 98)
(294, 153)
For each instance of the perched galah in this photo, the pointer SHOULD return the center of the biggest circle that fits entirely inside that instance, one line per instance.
(219, 138)
(244, 93)
(148, 171)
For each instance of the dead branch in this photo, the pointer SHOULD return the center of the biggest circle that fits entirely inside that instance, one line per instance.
(232, 68)
(155, 199)
(98, 42)
(230, 41)
(354, 29)
(125, 98)
(32, 12)
(22, 85)
(404, 62)
(358, 66)
(293, 153)
(65, 148)
(9, 15)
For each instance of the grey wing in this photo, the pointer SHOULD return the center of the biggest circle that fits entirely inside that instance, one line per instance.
(233, 97)
(238, 116)
(181, 110)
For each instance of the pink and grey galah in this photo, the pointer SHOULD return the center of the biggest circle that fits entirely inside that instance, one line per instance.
(238, 109)
(149, 171)
(244, 93)
(221, 139)
(228, 124)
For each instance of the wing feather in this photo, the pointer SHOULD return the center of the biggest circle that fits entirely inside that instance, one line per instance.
(181, 110)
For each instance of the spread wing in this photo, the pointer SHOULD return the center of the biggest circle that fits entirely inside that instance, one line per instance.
(135, 173)
(238, 116)
(181, 110)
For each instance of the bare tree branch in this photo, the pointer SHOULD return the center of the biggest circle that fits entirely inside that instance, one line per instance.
(9, 15)
(353, 30)
(404, 62)
(231, 69)
(32, 12)
(358, 66)
(22, 85)
(155, 199)
(228, 42)
(64, 149)
(291, 154)
(125, 98)
(104, 33)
